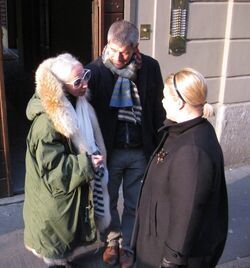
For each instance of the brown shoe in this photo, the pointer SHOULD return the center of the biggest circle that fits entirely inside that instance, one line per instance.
(126, 259)
(111, 255)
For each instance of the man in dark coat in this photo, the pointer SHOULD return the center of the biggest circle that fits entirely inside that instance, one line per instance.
(126, 90)
(182, 214)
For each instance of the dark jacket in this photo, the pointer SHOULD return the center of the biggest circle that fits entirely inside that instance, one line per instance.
(182, 211)
(150, 87)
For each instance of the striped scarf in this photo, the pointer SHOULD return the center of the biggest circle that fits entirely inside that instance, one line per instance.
(98, 191)
(87, 132)
(125, 94)
(133, 112)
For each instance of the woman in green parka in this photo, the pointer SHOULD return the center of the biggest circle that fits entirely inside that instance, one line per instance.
(60, 167)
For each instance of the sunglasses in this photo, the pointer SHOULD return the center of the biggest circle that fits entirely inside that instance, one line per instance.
(78, 82)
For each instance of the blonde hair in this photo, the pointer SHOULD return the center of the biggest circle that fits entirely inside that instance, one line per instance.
(191, 86)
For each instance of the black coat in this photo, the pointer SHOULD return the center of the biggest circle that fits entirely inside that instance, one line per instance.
(182, 211)
(150, 88)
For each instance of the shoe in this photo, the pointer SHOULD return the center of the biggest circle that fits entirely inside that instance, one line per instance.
(72, 264)
(111, 255)
(57, 266)
(68, 265)
(126, 259)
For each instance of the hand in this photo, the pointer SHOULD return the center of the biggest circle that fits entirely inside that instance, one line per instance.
(167, 264)
(96, 160)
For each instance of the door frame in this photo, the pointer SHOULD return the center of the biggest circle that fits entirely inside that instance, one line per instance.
(97, 27)
(100, 9)
(104, 13)
(5, 182)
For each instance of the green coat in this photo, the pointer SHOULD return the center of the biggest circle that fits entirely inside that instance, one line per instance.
(58, 211)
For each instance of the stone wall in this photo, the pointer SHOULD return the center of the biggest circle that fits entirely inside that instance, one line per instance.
(218, 45)
(233, 128)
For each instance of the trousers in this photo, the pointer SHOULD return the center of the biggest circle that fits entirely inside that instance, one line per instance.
(126, 167)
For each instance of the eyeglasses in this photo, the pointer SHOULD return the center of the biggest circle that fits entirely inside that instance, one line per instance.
(176, 89)
(78, 82)
(124, 54)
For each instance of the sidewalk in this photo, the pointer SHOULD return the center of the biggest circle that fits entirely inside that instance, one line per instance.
(236, 253)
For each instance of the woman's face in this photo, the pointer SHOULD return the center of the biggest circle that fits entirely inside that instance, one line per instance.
(170, 104)
(77, 84)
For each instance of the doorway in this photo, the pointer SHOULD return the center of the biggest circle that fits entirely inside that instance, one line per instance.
(38, 29)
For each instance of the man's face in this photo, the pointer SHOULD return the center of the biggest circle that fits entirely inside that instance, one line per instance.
(120, 56)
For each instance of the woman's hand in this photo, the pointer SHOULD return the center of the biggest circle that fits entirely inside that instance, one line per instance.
(96, 160)
(167, 264)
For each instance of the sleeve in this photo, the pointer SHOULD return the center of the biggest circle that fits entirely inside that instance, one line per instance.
(158, 110)
(190, 184)
(93, 82)
(61, 171)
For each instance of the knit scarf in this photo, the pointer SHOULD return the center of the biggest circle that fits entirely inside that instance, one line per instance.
(125, 95)
(101, 174)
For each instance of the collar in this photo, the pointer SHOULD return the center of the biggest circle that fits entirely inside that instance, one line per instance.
(174, 128)
(129, 71)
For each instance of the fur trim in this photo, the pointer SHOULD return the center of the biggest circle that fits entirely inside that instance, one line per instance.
(63, 115)
(54, 101)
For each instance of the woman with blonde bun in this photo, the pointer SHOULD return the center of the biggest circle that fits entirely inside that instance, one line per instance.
(182, 213)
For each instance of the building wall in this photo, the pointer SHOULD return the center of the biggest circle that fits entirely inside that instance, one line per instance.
(3, 21)
(3, 12)
(218, 45)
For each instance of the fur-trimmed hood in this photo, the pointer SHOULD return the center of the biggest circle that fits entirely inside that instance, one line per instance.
(51, 98)
(54, 101)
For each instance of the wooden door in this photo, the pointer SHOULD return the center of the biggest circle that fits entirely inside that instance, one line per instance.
(104, 13)
(5, 179)
(37, 41)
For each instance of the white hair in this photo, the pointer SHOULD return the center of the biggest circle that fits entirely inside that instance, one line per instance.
(62, 66)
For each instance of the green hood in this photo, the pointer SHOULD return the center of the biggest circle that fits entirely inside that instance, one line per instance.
(34, 107)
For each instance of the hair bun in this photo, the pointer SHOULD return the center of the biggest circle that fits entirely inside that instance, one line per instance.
(208, 110)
